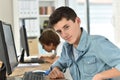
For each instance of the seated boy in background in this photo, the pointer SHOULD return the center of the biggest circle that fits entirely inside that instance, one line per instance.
(50, 41)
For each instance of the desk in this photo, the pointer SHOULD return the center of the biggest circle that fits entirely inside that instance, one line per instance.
(19, 71)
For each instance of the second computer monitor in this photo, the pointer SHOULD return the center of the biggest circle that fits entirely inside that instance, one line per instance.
(24, 41)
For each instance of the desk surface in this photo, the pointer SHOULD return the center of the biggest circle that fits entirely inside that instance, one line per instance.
(19, 71)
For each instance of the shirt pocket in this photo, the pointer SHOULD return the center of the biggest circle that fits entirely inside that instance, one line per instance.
(89, 64)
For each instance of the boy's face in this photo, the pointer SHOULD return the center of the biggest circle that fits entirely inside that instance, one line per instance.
(48, 48)
(69, 30)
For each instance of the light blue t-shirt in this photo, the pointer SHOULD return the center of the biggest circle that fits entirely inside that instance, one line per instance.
(75, 53)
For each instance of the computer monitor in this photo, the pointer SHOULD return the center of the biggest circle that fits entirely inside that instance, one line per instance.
(7, 47)
(25, 48)
(23, 39)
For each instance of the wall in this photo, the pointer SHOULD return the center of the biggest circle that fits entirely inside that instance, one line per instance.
(6, 11)
(16, 25)
(116, 20)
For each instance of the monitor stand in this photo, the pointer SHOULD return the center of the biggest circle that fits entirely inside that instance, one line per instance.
(3, 72)
(22, 56)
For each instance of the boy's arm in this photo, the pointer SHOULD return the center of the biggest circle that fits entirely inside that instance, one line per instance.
(111, 73)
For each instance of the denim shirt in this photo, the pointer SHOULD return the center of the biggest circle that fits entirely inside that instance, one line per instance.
(96, 54)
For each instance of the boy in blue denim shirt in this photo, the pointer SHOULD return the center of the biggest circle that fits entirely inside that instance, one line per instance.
(89, 57)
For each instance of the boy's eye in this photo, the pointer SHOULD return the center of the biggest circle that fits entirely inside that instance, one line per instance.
(43, 47)
(59, 32)
(66, 27)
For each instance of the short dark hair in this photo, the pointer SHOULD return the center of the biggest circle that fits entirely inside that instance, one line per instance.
(49, 36)
(62, 12)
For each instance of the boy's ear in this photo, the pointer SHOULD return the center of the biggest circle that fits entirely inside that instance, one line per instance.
(78, 20)
(51, 44)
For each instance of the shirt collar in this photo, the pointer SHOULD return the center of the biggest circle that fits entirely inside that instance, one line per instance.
(84, 41)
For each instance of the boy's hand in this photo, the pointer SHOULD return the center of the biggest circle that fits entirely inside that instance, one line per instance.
(56, 74)
(1, 64)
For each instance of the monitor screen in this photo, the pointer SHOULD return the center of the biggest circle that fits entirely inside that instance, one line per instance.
(7, 47)
(24, 41)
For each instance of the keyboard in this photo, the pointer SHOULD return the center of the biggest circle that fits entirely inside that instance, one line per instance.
(39, 75)
(34, 76)
(33, 60)
(30, 59)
